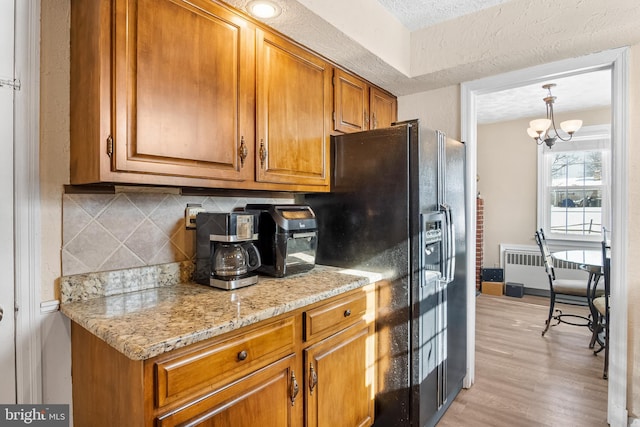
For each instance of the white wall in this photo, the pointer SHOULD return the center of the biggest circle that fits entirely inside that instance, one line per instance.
(54, 173)
(438, 109)
(54, 128)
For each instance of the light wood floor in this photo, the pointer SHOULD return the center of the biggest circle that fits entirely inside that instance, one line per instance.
(523, 379)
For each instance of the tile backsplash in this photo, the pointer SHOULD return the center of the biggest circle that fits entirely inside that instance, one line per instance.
(103, 232)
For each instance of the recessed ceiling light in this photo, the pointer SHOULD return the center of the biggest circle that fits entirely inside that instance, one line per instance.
(263, 9)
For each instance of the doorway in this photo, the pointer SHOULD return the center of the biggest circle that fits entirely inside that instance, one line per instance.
(617, 60)
(7, 285)
(20, 353)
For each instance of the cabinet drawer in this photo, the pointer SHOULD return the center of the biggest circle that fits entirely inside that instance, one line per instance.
(332, 317)
(262, 398)
(195, 372)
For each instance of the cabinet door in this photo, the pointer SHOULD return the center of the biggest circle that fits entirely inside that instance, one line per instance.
(339, 379)
(293, 104)
(384, 109)
(350, 102)
(260, 399)
(183, 90)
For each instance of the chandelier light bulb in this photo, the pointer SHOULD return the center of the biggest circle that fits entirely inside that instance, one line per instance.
(532, 133)
(540, 125)
(571, 126)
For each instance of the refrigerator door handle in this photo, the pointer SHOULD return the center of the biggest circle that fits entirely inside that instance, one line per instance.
(449, 243)
(441, 165)
(445, 242)
(452, 246)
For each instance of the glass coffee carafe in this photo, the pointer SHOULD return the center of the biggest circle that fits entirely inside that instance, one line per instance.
(235, 259)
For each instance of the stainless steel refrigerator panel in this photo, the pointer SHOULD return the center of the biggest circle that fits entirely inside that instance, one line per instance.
(364, 224)
(456, 290)
(383, 180)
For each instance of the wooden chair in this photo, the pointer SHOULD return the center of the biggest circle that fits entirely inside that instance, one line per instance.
(601, 304)
(557, 287)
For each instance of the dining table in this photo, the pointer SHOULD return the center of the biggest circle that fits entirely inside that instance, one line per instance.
(589, 260)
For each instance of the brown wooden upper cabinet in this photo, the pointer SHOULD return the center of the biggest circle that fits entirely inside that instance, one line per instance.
(359, 106)
(163, 92)
(383, 107)
(194, 93)
(175, 100)
(293, 113)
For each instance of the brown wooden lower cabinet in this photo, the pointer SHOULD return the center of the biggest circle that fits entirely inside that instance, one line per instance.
(248, 402)
(312, 367)
(339, 390)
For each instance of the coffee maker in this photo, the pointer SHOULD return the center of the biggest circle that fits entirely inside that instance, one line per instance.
(226, 258)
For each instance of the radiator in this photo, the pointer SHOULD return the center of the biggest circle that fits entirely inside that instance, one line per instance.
(523, 264)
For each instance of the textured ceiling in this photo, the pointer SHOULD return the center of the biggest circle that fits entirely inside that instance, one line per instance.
(298, 21)
(416, 14)
(574, 93)
(579, 92)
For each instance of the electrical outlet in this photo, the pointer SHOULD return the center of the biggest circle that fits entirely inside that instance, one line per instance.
(190, 214)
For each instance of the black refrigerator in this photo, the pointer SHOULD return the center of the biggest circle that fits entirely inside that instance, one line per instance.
(397, 207)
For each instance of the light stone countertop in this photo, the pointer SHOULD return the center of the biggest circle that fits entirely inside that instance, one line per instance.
(145, 323)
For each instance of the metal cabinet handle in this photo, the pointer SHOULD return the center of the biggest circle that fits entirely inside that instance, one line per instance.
(293, 388)
(1, 313)
(242, 151)
(347, 313)
(313, 378)
(243, 355)
(263, 153)
(109, 146)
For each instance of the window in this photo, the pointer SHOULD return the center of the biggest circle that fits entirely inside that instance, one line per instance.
(573, 186)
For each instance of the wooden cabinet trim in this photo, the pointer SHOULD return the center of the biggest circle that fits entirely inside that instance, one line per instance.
(90, 97)
(101, 374)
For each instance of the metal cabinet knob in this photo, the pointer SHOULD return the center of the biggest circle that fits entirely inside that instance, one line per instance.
(242, 355)
(347, 313)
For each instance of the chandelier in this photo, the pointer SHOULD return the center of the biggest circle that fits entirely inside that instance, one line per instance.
(539, 129)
